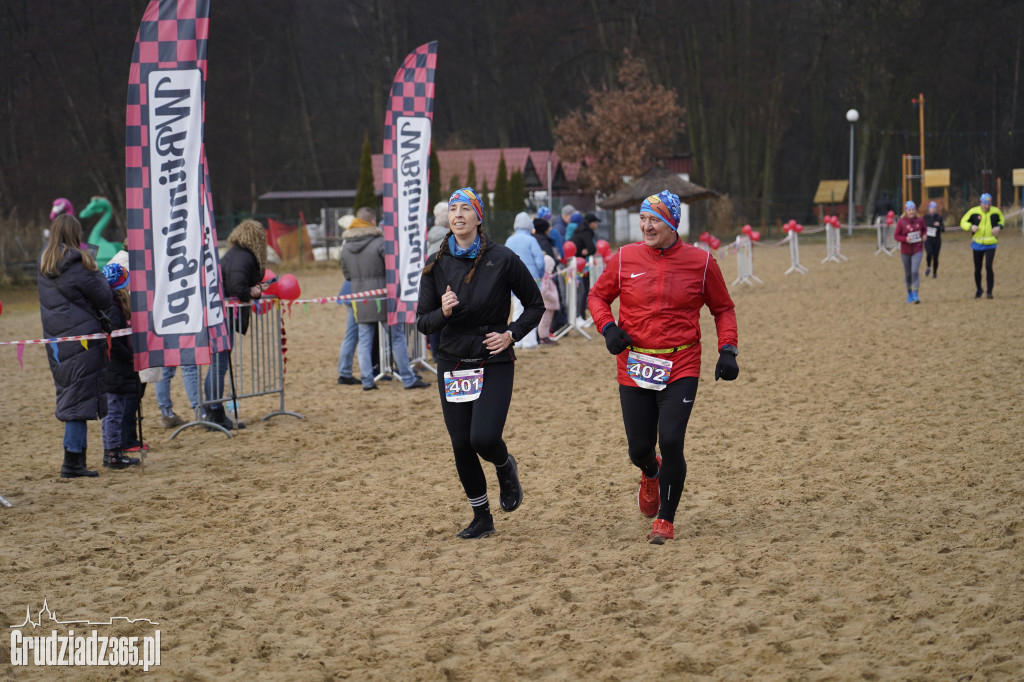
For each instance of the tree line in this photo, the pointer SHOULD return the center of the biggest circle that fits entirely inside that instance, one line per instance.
(295, 88)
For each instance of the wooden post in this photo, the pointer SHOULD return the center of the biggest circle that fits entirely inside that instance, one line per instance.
(924, 192)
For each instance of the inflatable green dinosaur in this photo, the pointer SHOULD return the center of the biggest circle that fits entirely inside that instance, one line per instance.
(105, 250)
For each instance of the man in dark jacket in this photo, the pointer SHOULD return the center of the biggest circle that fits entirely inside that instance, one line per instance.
(584, 239)
(362, 262)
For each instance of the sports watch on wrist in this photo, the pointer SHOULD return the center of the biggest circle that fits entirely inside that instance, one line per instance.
(729, 348)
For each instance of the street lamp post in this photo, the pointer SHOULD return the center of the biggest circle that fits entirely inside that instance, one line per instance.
(852, 117)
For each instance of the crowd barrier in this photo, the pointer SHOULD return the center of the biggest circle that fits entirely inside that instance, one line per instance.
(884, 228)
(745, 262)
(832, 246)
(256, 366)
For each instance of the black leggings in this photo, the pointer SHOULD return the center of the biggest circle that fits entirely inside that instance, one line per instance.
(476, 427)
(990, 278)
(932, 246)
(659, 418)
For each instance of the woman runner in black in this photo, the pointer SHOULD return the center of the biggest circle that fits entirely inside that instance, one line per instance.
(466, 294)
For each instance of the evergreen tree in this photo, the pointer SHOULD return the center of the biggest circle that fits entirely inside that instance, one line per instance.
(471, 175)
(454, 184)
(485, 200)
(516, 191)
(365, 195)
(501, 196)
(434, 186)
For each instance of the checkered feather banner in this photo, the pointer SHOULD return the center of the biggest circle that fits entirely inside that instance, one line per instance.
(177, 309)
(407, 127)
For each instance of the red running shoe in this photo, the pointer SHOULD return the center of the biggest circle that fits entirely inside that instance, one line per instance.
(648, 498)
(143, 447)
(661, 531)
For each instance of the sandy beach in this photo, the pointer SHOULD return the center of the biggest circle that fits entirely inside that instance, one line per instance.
(851, 509)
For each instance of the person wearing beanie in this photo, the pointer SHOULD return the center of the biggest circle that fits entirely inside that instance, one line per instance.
(466, 291)
(525, 245)
(120, 379)
(575, 220)
(910, 231)
(984, 222)
(662, 283)
(934, 228)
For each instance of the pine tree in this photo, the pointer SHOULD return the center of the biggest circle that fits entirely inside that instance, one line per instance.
(516, 191)
(365, 195)
(454, 184)
(485, 201)
(471, 175)
(501, 196)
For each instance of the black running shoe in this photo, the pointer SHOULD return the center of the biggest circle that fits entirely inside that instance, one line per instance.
(481, 526)
(508, 480)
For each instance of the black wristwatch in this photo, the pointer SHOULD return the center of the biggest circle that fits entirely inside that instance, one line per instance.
(729, 348)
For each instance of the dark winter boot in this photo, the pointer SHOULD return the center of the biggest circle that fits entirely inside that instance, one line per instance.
(217, 416)
(74, 465)
(116, 459)
(481, 526)
(508, 480)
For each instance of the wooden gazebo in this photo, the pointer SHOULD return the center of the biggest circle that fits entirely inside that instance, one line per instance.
(652, 182)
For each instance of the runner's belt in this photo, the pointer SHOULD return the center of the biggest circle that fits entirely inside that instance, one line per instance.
(660, 351)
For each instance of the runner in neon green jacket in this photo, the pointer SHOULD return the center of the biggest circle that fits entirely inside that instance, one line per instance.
(985, 222)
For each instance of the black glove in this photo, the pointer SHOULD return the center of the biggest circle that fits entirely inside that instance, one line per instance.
(995, 221)
(615, 339)
(726, 368)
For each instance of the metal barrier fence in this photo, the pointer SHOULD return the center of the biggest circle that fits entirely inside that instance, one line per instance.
(257, 366)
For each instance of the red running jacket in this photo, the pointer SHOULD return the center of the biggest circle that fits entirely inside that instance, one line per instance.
(660, 295)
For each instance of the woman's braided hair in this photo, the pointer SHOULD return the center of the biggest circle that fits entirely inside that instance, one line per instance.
(444, 249)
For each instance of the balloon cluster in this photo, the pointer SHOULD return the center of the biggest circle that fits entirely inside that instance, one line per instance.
(832, 221)
(793, 226)
(711, 240)
(286, 288)
(751, 232)
(890, 217)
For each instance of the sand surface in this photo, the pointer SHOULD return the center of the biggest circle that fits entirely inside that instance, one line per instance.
(851, 511)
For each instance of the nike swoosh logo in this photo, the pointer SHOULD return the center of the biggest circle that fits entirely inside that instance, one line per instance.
(637, 274)
(687, 401)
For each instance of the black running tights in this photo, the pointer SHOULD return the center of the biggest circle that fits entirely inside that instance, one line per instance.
(476, 427)
(659, 418)
(990, 278)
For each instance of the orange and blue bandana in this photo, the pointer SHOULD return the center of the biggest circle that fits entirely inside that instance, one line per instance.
(468, 195)
(665, 206)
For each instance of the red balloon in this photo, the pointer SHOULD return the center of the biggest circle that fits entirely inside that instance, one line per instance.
(714, 242)
(1, 307)
(755, 235)
(581, 263)
(747, 229)
(798, 228)
(288, 288)
(604, 248)
(569, 249)
(268, 275)
(704, 236)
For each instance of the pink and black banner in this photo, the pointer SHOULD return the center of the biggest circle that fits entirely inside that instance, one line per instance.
(177, 306)
(407, 127)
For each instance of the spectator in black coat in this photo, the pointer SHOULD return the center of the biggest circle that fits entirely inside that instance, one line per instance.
(72, 294)
(586, 246)
(242, 269)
